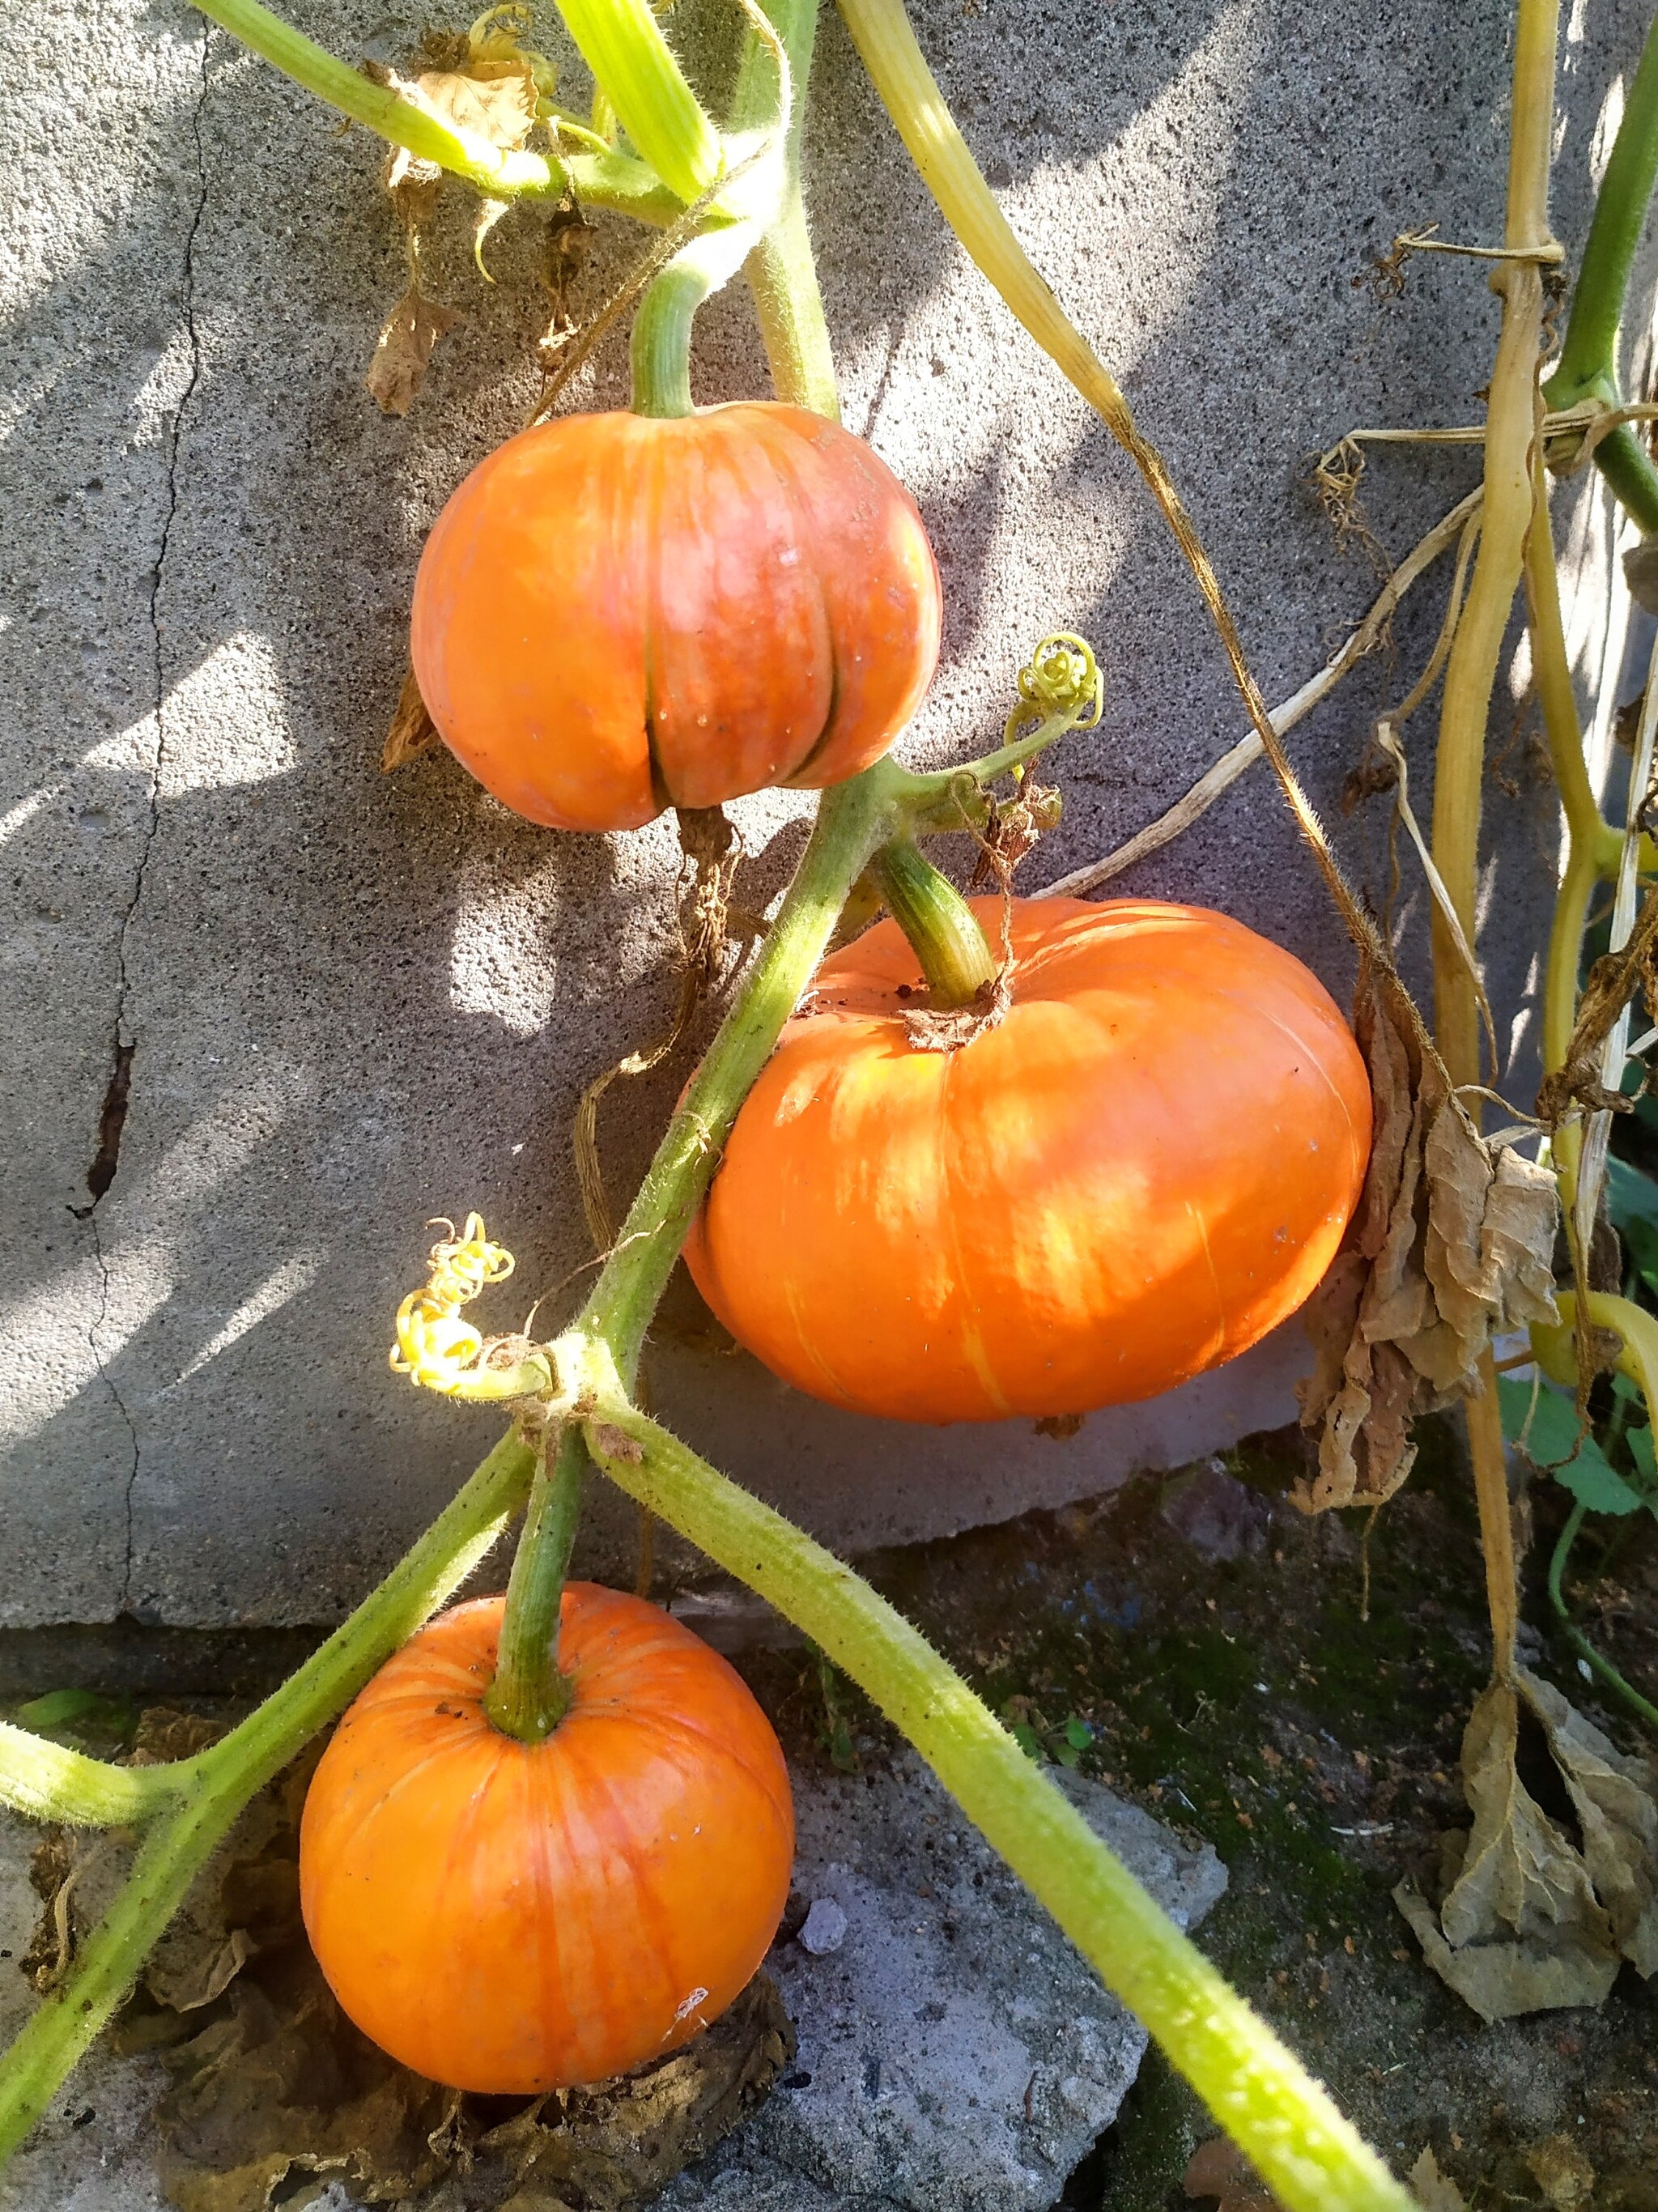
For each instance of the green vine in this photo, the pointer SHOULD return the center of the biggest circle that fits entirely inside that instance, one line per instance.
(1588, 366)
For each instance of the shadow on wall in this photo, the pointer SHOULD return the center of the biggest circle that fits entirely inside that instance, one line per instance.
(351, 1001)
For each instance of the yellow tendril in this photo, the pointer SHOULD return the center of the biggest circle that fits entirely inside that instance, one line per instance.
(1061, 677)
(435, 1348)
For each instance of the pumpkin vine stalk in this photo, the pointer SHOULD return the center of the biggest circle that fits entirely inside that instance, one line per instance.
(1311, 2157)
(198, 1802)
(1587, 365)
(942, 928)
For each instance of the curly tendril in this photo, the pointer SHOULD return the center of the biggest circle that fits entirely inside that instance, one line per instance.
(1061, 677)
(434, 1346)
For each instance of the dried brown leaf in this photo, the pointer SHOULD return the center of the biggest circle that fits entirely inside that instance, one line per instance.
(1433, 2191)
(1219, 2169)
(497, 103)
(281, 2086)
(1452, 1240)
(413, 732)
(414, 186)
(51, 1863)
(617, 2145)
(1562, 2173)
(162, 1734)
(398, 369)
(1616, 1802)
(1521, 1928)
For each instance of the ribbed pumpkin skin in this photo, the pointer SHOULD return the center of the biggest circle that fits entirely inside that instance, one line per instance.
(1143, 1170)
(616, 614)
(510, 1918)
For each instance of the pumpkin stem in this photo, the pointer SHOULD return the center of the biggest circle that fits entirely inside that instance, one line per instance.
(955, 955)
(529, 1696)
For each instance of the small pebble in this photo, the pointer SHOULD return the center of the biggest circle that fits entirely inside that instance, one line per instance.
(824, 1928)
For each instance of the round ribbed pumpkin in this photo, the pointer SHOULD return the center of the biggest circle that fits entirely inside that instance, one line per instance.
(616, 613)
(512, 1918)
(1144, 1168)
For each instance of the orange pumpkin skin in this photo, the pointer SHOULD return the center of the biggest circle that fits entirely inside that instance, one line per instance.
(508, 1918)
(1144, 1168)
(615, 614)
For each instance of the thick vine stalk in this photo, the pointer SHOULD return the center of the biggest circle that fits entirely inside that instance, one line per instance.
(1587, 366)
(1314, 2160)
(204, 1794)
(1513, 415)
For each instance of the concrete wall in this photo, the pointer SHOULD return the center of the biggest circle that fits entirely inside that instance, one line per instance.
(345, 1003)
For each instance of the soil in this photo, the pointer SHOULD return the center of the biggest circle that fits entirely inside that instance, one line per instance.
(1248, 1700)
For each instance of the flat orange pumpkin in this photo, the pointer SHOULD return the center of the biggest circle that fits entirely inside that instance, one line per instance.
(1144, 1168)
(512, 1918)
(618, 613)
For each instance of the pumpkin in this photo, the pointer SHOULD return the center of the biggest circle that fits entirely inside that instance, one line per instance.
(512, 1918)
(617, 613)
(1143, 1168)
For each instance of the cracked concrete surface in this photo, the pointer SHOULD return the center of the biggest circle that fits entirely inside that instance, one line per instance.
(351, 1002)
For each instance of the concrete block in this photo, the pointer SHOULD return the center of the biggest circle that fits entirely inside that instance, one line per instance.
(340, 1003)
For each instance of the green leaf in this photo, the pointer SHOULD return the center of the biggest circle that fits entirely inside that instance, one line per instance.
(1640, 1444)
(1029, 1742)
(58, 1707)
(1078, 1734)
(1552, 1445)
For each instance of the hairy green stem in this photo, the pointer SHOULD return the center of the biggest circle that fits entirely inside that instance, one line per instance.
(622, 42)
(852, 819)
(502, 175)
(209, 1790)
(48, 1782)
(600, 180)
(1588, 366)
(781, 271)
(782, 276)
(529, 1696)
(943, 930)
(1587, 363)
(1312, 2159)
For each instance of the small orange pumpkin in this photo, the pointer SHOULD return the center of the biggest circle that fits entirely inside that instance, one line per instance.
(617, 613)
(512, 1918)
(1148, 1165)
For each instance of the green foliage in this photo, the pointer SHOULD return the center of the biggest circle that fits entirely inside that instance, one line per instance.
(1632, 1206)
(1544, 1422)
(76, 1711)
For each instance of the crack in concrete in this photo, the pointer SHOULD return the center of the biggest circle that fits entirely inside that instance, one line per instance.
(106, 1162)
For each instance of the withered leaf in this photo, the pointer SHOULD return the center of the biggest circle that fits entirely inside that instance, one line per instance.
(1616, 1802)
(1521, 1928)
(398, 369)
(497, 105)
(1562, 2173)
(618, 2144)
(1453, 1240)
(489, 213)
(163, 1733)
(1431, 2188)
(1219, 2169)
(413, 732)
(281, 2086)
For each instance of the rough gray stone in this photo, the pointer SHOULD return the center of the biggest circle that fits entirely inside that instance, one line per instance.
(352, 1002)
(1219, 1516)
(956, 2053)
